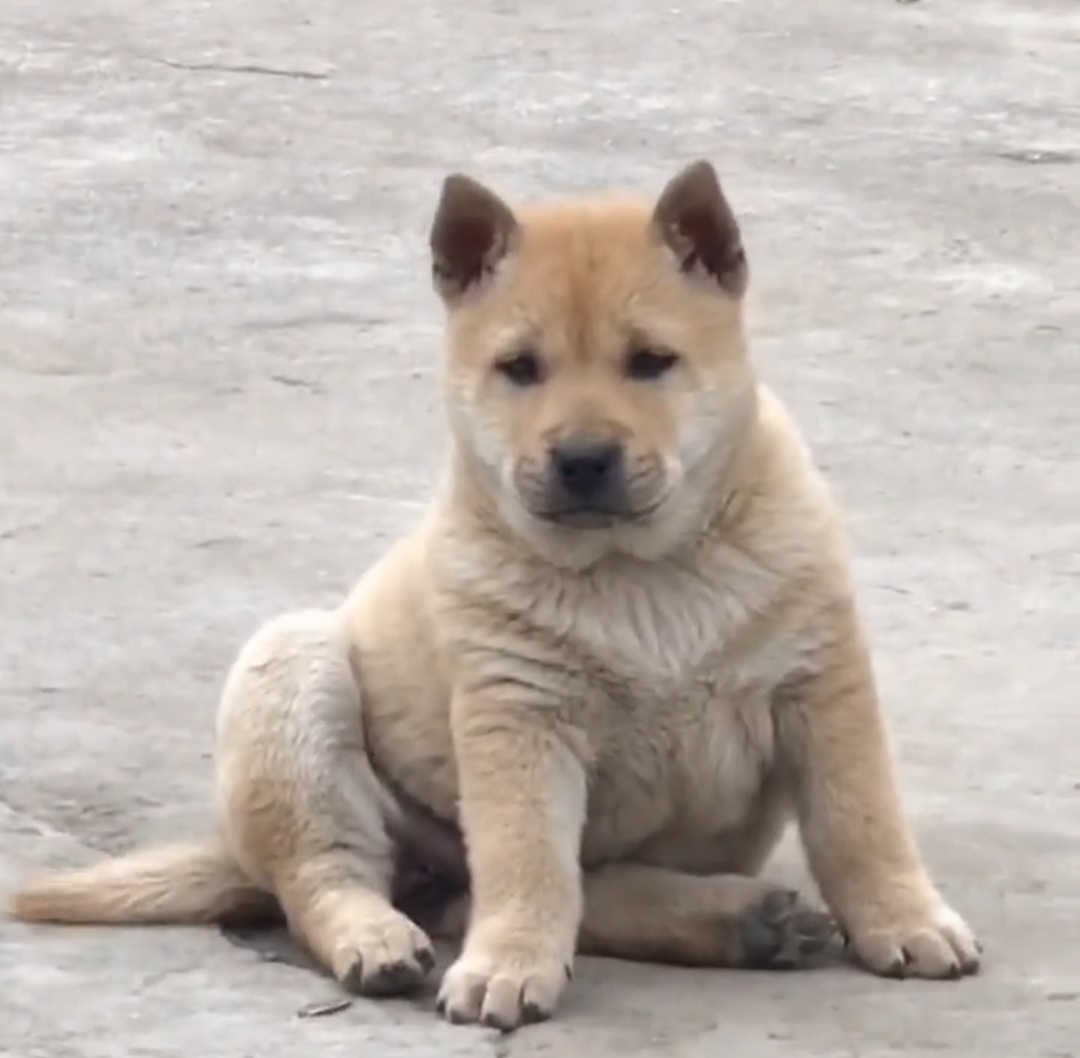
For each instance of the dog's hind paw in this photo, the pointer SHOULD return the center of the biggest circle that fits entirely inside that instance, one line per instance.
(780, 932)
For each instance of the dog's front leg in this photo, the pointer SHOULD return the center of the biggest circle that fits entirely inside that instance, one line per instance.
(522, 808)
(860, 849)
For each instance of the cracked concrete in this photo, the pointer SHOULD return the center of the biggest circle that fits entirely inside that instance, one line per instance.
(217, 401)
(269, 71)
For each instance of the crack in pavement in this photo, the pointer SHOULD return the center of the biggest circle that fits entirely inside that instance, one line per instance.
(255, 68)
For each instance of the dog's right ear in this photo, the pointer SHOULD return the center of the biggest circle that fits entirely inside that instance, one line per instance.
(472, 231)
(694, 219)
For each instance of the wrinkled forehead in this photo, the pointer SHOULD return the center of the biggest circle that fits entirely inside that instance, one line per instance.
(583, 282)
(575, 282)
(586, 243)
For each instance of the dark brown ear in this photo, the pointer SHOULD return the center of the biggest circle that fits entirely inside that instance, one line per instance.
(696, 222)
(472, 231)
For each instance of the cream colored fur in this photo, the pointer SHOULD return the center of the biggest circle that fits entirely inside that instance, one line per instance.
(620, 714)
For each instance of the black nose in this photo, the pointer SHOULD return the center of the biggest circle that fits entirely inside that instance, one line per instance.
(586, 468)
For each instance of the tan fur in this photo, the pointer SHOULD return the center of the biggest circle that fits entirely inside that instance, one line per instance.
(619, 714)
(177, 883)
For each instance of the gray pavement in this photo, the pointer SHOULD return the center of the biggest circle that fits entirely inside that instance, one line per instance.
(218, 357)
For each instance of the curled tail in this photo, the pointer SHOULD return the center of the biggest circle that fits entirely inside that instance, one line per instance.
(172, 884)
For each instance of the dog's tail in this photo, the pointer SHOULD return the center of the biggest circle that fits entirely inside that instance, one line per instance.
(194, 883)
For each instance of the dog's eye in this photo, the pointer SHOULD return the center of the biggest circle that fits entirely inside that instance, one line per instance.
(644, 364)
(523, 369)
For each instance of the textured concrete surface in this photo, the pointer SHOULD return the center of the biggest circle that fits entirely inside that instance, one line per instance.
(218, 353)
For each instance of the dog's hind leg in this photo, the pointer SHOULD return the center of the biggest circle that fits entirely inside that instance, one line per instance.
(652, 914)
(636, 911)
(302, 808)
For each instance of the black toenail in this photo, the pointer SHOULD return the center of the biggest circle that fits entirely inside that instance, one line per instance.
(354, 977)
(494, 1022)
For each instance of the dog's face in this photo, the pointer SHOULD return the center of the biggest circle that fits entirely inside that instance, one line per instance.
(596, 367)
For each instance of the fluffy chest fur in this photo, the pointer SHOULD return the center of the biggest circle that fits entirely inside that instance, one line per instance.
(709, 622)
(662, 676)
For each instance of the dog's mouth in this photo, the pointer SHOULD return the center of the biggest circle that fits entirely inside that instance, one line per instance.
(593, 516)
(592, 498)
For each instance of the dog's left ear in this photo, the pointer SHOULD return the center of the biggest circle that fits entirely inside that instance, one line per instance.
(695, 220)
(472, 231)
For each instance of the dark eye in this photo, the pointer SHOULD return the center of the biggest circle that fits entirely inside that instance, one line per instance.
(522, 369)
(645, 364)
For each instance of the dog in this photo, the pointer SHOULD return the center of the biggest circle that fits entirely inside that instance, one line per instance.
(583, 698)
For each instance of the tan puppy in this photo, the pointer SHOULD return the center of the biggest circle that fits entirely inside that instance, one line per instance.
(619, 652)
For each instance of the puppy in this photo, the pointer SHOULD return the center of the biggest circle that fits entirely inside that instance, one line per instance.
(617, 656)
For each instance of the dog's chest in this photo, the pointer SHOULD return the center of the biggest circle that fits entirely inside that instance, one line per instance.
(680, 681)
(672, 632)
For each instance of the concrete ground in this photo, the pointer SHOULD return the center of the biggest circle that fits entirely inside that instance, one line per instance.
(218, 353)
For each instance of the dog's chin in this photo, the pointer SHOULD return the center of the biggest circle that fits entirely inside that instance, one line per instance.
(580, 519)
(594, 516)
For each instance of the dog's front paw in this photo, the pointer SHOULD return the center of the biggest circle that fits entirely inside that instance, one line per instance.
(503, 985)
(383, 956)
(933, 941)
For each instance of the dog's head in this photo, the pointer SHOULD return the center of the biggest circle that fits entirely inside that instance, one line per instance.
(596, 371)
